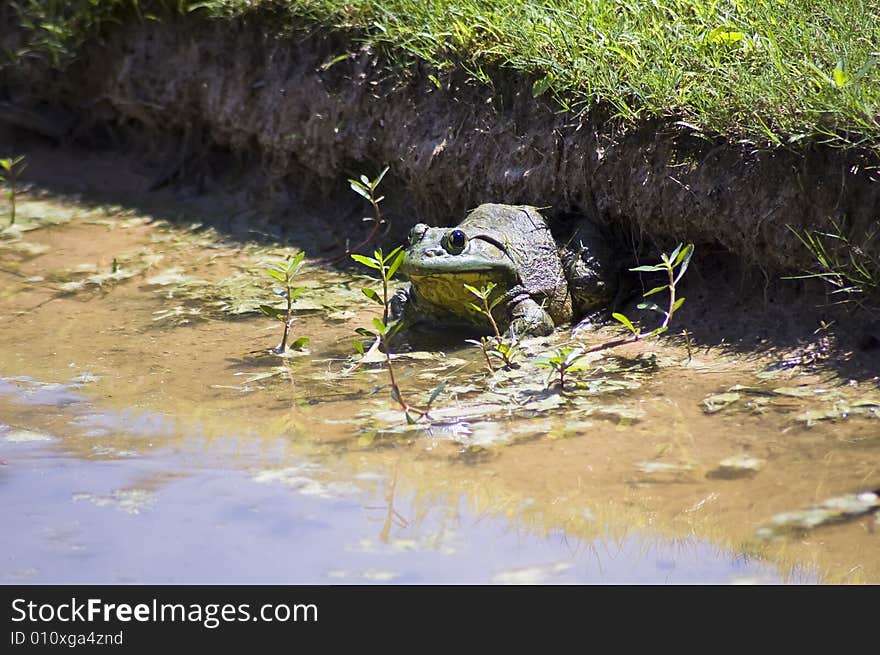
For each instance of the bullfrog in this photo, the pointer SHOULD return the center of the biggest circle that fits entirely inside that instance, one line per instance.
(541, 284)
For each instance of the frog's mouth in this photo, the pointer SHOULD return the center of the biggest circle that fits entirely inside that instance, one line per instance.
(447, 289)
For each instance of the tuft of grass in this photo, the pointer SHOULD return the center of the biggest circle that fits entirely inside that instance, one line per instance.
(767, 72)
(850, 269)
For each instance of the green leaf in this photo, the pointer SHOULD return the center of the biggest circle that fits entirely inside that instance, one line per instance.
(326, 65)
(393, 253)
(476, 308)
(364, 332)
(380, 326)
(296, 292)
(372, 295)
(474, 290)
(278, 275)
(652, 306)
(393, 328)
(539, 87)
(359, 346)
(674, 253)
(296, 261)
(682, 253)
(656, 290)
(366, 261)
(620, 318)
(299, 343)
(395, 394)
(273, 312)
(378, 179)
(684, 259)
(395, 264)
(437, 391)
(724, 35)
(840, 77)
(572, 357)
(359, 189)
(678, 303)
(409, 419)
(648, 269)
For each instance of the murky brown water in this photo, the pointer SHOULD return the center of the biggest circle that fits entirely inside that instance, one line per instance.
(148, 436)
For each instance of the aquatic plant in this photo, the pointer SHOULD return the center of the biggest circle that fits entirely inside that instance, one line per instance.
(367, 188)
(386, 327)
(13, 167)
(564, 360)
(284, 272)
(495, 346)
(674, 265)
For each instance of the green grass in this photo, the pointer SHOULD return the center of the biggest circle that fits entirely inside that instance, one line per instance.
(765, 72)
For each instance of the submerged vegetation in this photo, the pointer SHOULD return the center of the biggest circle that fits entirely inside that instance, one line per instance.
(765, 72)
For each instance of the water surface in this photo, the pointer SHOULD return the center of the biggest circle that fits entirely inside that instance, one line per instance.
(148, 435)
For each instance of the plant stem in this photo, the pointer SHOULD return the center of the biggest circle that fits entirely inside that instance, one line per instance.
(670, 271)
(12, 197)
(488, 313)
(488, 359)
(287, 320)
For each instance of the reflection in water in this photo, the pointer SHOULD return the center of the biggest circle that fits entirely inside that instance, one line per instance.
(128, 521)
(151, 439)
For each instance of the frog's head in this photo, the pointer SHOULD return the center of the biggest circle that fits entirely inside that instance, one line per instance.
(440, 261)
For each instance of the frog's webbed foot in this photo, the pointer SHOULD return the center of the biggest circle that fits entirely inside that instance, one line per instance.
(528, 319)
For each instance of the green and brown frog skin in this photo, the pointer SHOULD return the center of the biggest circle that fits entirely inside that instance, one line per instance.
(542, 284)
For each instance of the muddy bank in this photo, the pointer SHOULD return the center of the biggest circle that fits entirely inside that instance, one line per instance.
(280, 115)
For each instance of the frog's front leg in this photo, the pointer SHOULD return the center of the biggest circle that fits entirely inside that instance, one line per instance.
(528, 319)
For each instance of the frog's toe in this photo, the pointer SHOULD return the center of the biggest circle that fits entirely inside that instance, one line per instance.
(399, 300)
(528, 319)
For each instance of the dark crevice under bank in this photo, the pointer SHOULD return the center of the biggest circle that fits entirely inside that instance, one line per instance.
(274, 125)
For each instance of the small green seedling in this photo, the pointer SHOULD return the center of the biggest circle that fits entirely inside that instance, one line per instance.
(674, 265)
(284, 272)
(385, 327)
(563, 361)
(12, 167)
(495, 346)
(680, 258)
(566, 359)
(367, 188)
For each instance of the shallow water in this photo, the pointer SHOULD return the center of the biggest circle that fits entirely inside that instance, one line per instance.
(148, 435)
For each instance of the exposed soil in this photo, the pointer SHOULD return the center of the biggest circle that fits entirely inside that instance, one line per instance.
(264, 124)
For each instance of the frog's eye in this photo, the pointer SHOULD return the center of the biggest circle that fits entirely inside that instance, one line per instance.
(416, 234)
(456, 241)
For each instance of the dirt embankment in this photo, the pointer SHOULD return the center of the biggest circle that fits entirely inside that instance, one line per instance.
(312, 119)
